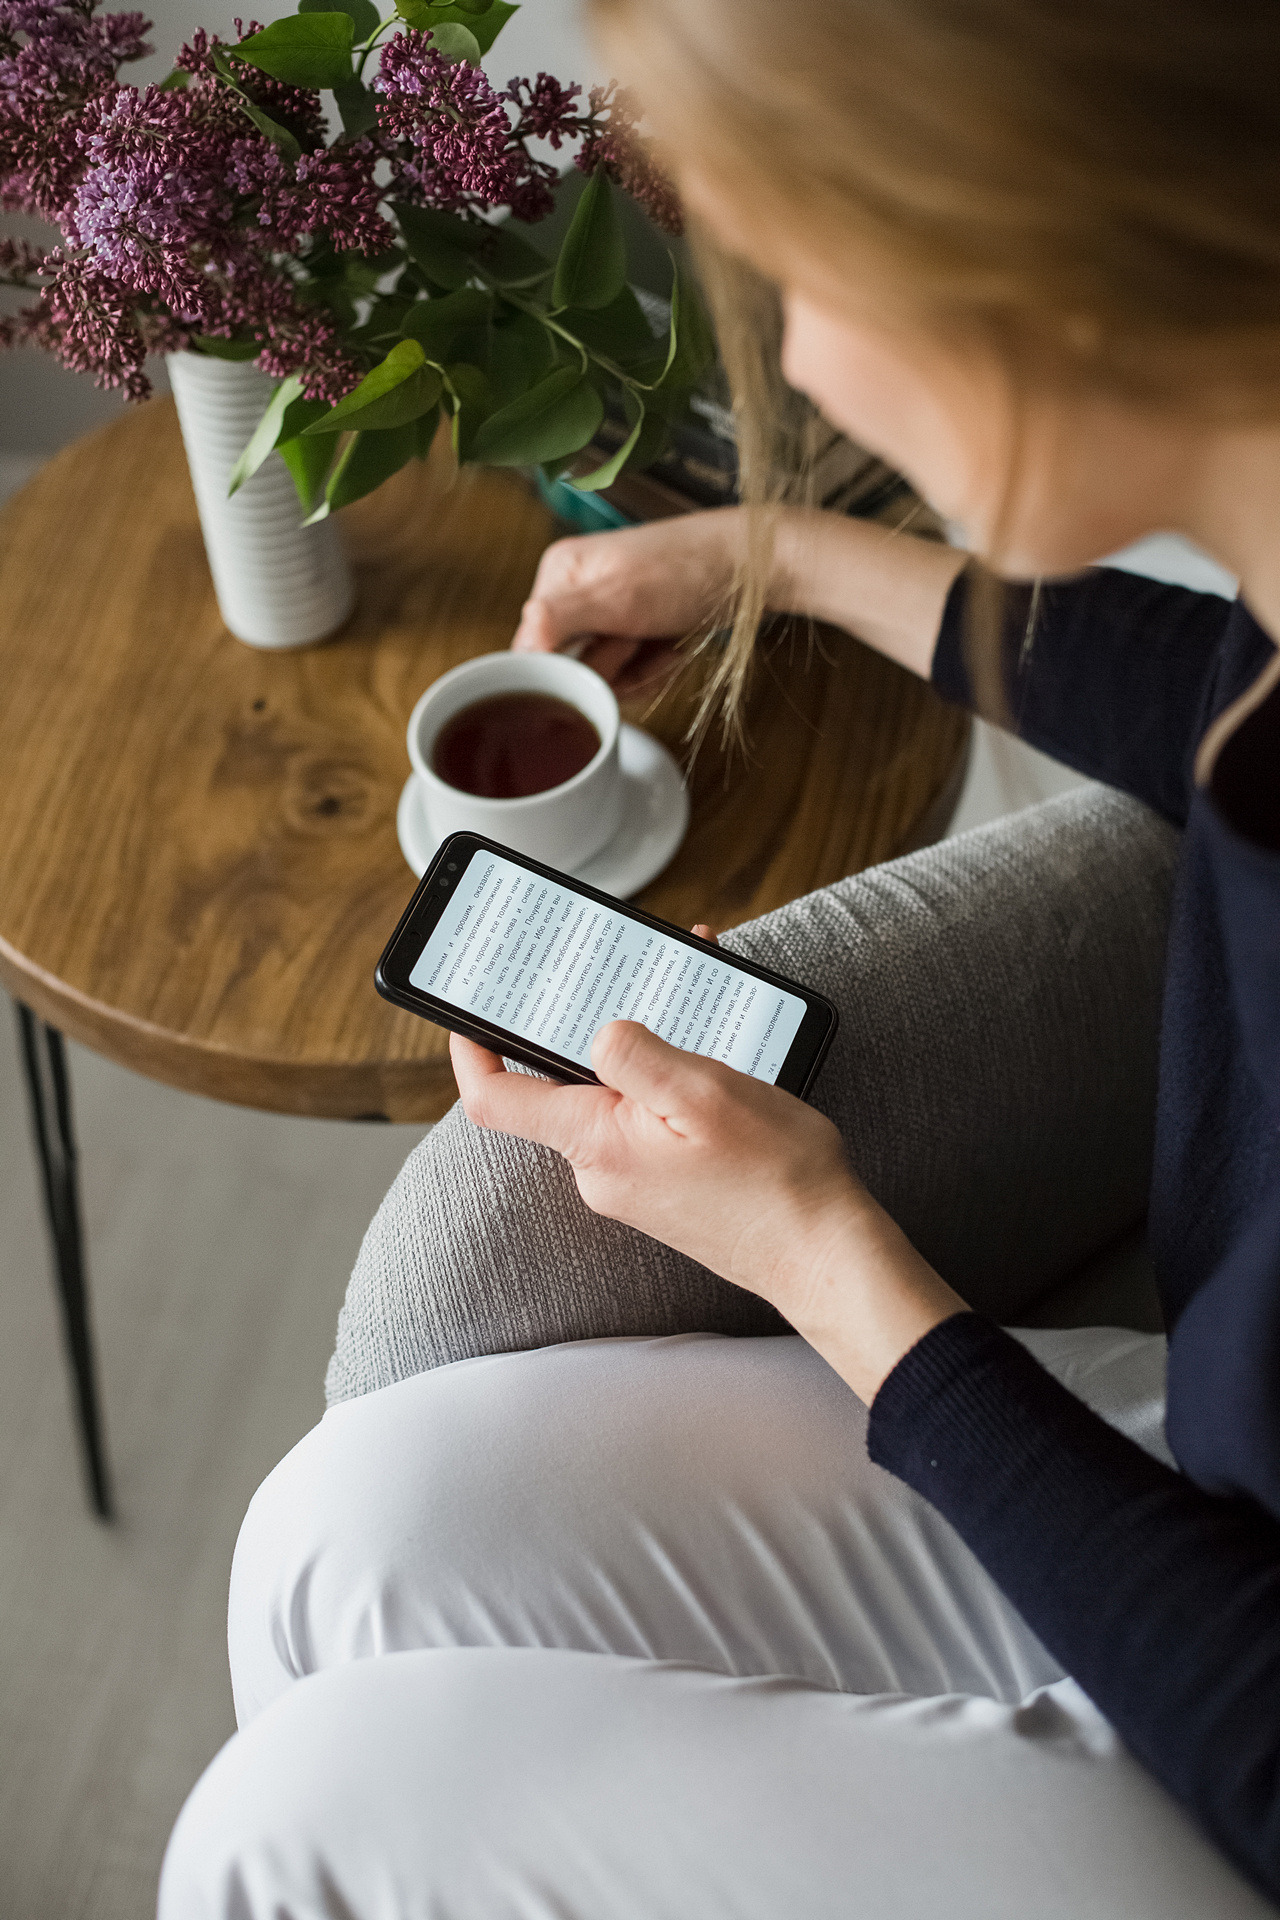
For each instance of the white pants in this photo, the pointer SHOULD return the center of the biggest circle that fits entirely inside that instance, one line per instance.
(632, 1629)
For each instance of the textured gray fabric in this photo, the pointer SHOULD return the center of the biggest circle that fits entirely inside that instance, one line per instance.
(1115, 1288)
(994, 1080)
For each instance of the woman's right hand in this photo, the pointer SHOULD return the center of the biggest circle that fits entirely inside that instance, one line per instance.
(625, 600)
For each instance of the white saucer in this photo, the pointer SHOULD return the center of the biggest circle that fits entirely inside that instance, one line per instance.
(655, 818)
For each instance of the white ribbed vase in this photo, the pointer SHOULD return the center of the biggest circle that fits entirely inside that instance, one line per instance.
(279, 584)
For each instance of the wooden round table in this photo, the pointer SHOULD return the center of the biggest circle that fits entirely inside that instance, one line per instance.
(198, 855)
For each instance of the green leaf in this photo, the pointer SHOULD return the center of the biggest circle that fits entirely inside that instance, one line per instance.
(691, 345)
(287, 416)
(311, 50)
(436, 324)
(519, 354)
(332, 294)
(368, 460)
(360, 274)
(383, 324)
(397, 391)
(298, 416)
(226, 349)
(442, 245)
(280, 135)
(266, 433)
(654, 437)
(556, 417)
(592, 268)
(486, 23)
(473, 402)
(605, 475)
(365, 17)
(425, 431)
(455, 42)
(619, 331)
(509, 258)
(308, 461)
(417, 395)
(175, 81)
(356, 105)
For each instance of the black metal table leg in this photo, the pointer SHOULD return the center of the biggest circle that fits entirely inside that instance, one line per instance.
(44, 1057)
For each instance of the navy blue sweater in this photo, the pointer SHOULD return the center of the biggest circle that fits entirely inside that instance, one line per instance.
(1158, 1591)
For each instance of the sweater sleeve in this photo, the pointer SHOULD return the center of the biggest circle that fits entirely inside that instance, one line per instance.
(1111, 673)
(1162, 1600)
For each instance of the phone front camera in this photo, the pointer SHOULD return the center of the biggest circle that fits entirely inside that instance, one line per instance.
(446, 883)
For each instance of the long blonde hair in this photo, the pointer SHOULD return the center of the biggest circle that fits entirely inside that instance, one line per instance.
(1092, 185)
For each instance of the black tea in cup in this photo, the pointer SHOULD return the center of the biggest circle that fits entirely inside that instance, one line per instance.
(514, 744)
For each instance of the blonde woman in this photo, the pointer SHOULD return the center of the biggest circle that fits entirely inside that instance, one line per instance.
(632, 1625)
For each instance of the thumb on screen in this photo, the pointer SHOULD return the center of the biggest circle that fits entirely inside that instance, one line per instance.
(636, 1063)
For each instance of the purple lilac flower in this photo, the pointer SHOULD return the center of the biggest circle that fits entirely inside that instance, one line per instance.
(65, 43)
(57, 65)
(453, 119)
(311, 347)
(293, 108)
(545, 110)
(192, 129)
(182, 219)
(616, 145)
(89, 324)
(332, 190)
(253, 298)
(40, 157)
(19, 260)
(140, 223)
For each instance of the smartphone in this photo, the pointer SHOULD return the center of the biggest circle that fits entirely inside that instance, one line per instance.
(531, 963)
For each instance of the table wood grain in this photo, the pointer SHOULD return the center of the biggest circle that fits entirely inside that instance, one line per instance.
(198, 856)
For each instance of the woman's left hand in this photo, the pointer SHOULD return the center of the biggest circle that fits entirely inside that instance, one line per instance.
(737, 1174)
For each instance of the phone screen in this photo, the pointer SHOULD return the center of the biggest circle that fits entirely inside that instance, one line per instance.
(552, 966)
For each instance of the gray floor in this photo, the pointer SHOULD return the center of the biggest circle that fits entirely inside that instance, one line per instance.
(221, 1241)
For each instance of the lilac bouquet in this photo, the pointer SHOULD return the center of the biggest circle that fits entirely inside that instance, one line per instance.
(379, 275)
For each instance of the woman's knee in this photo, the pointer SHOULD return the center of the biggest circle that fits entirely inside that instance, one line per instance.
(339, 1794)
(484, 1246)
(443, 1269)
(399, 1521)
(446, 1783)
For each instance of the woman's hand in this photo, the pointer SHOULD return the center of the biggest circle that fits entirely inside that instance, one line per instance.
(625, 600)
(742, 1177)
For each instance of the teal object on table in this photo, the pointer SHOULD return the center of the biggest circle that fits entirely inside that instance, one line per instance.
(588, 512)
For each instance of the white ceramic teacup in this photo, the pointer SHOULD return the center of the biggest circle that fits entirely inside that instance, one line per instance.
(565, 825)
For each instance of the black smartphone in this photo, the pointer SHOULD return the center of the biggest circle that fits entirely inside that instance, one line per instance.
(531, 963)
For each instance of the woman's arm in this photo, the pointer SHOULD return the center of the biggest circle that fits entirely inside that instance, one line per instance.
(631, 594)
(888, 588)
(744, 1178)
(1161, 1600)
(1114, 674)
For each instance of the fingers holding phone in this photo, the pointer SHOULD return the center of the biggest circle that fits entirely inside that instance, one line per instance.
(740, 1175)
